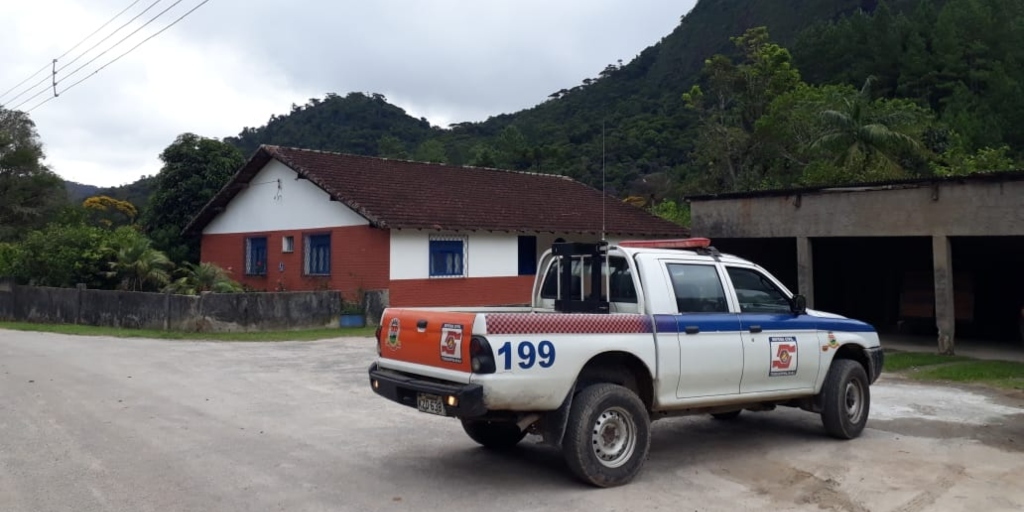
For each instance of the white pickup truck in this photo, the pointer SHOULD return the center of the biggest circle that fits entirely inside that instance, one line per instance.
(618, 336)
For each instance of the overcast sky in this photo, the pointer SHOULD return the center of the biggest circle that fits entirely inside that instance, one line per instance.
(234, 63)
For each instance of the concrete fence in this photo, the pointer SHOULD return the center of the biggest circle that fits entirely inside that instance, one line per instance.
(211, 312)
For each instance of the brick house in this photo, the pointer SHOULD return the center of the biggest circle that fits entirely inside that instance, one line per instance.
(431, 234)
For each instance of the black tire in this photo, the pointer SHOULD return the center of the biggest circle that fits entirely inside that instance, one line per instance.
(846, 398)
(495, 435)
(603, 415)
(725, 416)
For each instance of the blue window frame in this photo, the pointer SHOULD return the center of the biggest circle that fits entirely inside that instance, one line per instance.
(318, 255)
(256, 256)
(446, 258)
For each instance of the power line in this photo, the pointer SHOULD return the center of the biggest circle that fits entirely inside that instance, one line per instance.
(101, 28)
(118, 29)
(115, 59)
(115, 45)
(25, 80)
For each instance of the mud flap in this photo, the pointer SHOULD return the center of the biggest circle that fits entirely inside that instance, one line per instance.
(552, 426)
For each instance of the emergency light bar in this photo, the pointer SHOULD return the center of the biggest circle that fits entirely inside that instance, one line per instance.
(678, 243)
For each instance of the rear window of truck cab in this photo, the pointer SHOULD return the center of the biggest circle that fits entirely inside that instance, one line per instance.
(620, 278)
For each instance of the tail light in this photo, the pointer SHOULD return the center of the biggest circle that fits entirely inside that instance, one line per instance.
(481, 357)
(376, 338)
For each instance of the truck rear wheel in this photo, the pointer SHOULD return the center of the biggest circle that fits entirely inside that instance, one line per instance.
(496, 435)
(608, 437)
(847, 399)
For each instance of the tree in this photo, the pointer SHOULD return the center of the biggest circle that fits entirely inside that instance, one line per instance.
(866, 138)
(63, 255)
(737, 96)
(205, 277)
(31, 193)
(431, 151)
(195, 169)
(390, 146)
(674, 212)
(109, 211)
(137, 266)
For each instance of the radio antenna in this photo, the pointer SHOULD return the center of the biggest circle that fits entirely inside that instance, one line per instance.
(604, 205)
(604, 198)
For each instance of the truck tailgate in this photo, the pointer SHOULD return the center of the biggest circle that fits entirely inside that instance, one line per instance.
(438, 339)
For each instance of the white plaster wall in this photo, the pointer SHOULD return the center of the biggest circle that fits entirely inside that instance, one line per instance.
(493, 255)
(488, 254)
(300, 205)
(409, 255)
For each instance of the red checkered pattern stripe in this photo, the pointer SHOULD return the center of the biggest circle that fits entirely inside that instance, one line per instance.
(567, 323)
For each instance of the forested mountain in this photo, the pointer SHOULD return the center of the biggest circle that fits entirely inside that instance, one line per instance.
(351, 124)
(136, 192)
(647, 128)
(77, 192)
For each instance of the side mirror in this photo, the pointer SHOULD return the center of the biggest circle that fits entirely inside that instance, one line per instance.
(798, 305)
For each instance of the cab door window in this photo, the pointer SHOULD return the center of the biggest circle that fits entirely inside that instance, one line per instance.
(756, 293)
(698, 288)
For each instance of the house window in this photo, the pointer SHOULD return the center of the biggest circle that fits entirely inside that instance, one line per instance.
(256, 256)
(318, 255)
(288, 244)
(447, 257)
(527, 255)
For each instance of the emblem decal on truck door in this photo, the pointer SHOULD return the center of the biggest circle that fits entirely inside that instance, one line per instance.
(784, 356)
(451, 343)
(393, 342)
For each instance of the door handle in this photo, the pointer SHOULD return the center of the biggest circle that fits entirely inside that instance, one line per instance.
(692, 329)
(421, 325)
(755, 328)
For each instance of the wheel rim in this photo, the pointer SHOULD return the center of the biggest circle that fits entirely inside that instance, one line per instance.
(613, 437)
(854, 401)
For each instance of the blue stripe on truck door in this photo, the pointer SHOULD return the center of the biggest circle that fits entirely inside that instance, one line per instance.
(719, 322)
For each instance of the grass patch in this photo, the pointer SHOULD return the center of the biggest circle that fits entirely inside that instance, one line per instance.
(899, 361)
(89, 330)
(934, 367)
(1005, 374)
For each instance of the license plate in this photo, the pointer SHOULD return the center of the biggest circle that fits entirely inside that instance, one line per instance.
(430, 403)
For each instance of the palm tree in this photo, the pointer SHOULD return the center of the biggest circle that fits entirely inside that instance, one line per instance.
(204, 277)
(858, 133)
(137, 265)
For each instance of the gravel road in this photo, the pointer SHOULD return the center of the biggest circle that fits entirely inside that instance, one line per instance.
(104, 424)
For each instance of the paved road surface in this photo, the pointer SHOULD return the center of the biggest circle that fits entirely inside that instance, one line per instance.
(100, 424)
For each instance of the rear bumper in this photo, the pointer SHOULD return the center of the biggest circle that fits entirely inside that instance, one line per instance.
(876, 359)
(402, 389)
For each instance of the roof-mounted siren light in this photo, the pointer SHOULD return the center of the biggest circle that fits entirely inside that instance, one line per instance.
(676, 243)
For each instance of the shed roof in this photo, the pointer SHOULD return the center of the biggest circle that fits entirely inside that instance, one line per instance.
(985, 176)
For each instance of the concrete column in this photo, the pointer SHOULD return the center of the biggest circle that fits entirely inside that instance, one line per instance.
(945, 308)
(805, 269)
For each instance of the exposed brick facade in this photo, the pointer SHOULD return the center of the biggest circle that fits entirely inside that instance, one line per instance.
(476, 291)
(360, 258)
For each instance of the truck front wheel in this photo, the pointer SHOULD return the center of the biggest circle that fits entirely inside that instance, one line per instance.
(608, 435)
(847, 399)
(496, 435)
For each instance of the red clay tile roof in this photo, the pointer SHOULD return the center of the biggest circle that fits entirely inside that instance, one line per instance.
(404, 194)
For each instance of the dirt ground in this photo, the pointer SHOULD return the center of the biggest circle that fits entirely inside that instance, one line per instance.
(90, 423)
